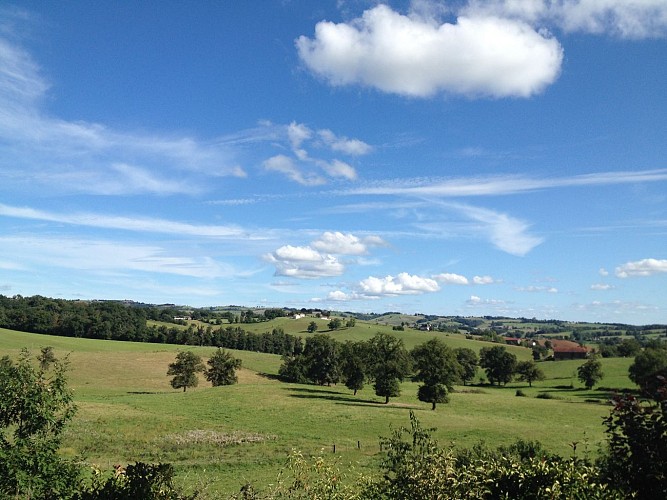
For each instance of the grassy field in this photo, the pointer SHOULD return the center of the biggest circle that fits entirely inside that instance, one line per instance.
(219, 438)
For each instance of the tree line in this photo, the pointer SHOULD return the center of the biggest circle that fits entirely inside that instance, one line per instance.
(384, 362)
(113, 320)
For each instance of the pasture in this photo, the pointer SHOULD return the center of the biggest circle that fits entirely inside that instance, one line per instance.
(220, 438)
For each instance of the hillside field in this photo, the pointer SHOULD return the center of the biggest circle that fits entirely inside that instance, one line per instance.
(220, 438)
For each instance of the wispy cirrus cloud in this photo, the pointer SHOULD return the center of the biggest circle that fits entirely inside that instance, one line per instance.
(501, 185)
(507, 233)
(622, 18)
(85, 157)
(101, 256)
(142, 224)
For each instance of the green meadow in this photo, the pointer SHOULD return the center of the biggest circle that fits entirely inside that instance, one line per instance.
(220, 438)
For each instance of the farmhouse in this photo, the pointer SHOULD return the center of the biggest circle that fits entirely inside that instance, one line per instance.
(566, 349)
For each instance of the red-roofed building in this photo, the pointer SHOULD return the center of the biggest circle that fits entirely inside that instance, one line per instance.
(566, 349)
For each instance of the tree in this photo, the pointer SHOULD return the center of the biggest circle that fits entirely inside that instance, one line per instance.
(222, 368)
(34, 409)
(353, 366)
(628, 348)
(293, 369)
(498, 364)
(437, 368)
(185, 370)
(46, 358)
(312, 327)
(335, 324)
(388, 363)
(468, 360)
(649, 365)
(590, 373)
(350, 322)
(529, 372)
(636, 455)
(321, 353)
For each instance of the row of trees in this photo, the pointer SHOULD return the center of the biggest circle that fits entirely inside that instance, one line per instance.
(502, 366)
(383, 361)
(110, 320)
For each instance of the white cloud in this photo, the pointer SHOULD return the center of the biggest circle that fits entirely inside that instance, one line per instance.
(601, 286)
(623, 18)
(319, 259)
(603, 272)
(505, 232)
(297, 134)
(537, 289)
(353, 147)
(304, 262)
(419, 57)
(483, 280)
(286, 166)
(104, 256)
(78, 156)
(644, 267)
(475, 300)
(337, 168)
(303, 254)
(346, 244)
(499, 185)
(140, 224)
(403, 284)
(338, 295)
(306, 166)
(451, 279)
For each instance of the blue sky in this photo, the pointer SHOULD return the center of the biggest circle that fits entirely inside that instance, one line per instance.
(457, 158)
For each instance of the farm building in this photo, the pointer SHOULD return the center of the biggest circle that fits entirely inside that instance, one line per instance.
(566, 349)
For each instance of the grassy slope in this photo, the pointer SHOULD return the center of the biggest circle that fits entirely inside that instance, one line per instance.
(128, 411)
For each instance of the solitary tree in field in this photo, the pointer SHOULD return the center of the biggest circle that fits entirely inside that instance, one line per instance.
(185, 370)
(529, 372)
(437, 368)
(590, 373)
(222, 368)
(312, 327)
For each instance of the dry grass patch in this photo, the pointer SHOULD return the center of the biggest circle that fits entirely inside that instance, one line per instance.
(220, 439)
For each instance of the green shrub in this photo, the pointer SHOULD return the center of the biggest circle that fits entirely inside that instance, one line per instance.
(636, 455)
(35, 406)
(140, 481)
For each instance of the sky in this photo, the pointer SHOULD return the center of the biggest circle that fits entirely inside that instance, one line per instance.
(500, 157)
